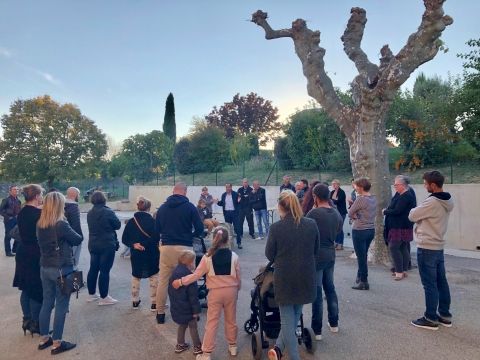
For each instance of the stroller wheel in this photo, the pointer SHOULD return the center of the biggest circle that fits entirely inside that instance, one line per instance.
(257, 348)
(250, 326)
(308, 338)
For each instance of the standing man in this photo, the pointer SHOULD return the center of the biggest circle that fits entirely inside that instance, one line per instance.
(174, 222)
(431, 220)
(230, 205)
(339, 199)
(299, 186)
(258, 201)
(245, 210)
(72, 213)
(9, 209)
(286, 184)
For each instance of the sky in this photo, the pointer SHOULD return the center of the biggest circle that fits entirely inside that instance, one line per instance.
(118, 60)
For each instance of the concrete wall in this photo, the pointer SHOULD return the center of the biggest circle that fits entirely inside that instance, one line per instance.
(463, 229)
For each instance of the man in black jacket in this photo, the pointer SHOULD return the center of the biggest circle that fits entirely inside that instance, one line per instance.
(258, 201)
(230, 205)
(245, 210)
(9, 209)
(174, 222)
(72, 213)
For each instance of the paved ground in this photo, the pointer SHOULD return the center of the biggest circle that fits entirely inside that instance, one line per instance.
(373, 324)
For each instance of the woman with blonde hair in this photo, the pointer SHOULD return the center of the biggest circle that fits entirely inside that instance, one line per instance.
(223, 282)
(55, 239)
(140, 236)
(293, 246)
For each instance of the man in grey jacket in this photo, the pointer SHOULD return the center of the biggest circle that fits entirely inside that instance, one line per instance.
(72, 213)
(431, 220)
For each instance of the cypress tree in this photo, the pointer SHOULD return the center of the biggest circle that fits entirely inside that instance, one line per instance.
(169, 126)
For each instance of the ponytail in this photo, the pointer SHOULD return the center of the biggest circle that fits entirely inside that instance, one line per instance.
(220, 239)
(290, 204)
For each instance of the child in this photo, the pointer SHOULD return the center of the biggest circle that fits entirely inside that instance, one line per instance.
(206, 215)
(184, 304)
(223, 281)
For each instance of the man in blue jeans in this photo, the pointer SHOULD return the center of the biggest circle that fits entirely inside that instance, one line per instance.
(329, 223)
(431, 220)
(258, 201)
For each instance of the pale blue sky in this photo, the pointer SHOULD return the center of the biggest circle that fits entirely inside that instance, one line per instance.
(118, 59)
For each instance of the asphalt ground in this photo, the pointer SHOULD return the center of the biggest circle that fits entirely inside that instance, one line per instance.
(373, 324)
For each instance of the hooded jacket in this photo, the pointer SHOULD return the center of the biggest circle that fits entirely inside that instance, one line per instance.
(175, 219)
(431, 220)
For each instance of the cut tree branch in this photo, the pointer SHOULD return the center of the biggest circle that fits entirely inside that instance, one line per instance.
(319, 85)
(352, 38)
(422, 46)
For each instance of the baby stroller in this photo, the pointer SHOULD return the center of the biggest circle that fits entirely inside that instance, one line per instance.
(200, 249)
(266, 316)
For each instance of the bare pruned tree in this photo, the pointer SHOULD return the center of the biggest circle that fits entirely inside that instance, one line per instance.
(373, 89)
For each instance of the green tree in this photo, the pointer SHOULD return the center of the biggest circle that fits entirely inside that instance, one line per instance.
(250, 114)
(169, 126)
(281, 153)
(240, 149)
(44, 140)
(147, 154)
(182, 156)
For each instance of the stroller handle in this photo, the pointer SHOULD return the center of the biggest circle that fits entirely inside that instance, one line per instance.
(269, 265)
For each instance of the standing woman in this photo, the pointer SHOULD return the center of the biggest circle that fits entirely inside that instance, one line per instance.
(55, 239)
(102, 244)
(293, 246)
(398, 229)
(27, 259)
(308, 202)
(339, 199)
(140, 236)
(362, 212)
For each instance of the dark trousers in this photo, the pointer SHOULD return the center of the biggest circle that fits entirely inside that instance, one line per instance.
(400, 255)
(248, 214)
(325, 280)
(9, 225)
(100, 262)
(192, 326)
(361, 242)
(30, 308)
(431, 266)
(231, 217)
(341, 235)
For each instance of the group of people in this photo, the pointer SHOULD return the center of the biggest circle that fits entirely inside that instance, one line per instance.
(303, 241)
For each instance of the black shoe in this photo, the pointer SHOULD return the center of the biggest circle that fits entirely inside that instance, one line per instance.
(361, 286)
(153, 307)
(135, 304)
(424, 323)
(34, 327)
(445, 321)
(10, 255)
(160, 318)
(253, 236)
(25, 326)
(64, 346)
(46, 344)
(240, 246)
(274, 354)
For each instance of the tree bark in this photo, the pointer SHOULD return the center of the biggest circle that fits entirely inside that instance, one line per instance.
(373, 90)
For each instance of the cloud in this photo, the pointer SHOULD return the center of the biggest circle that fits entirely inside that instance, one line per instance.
(49, 77)
(5, 52)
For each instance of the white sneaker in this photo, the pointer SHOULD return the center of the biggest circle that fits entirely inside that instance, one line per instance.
(108, 300)
(204, 356)
(333, 329)
(92, 298)
(232, 349)
(259, 238)
(318, 337)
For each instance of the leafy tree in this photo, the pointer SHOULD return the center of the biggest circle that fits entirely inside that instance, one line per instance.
(181, 155)
(240, 149)
(147, 155)
(169, 126)
(44, 140)
(250, 114)
(281, 153)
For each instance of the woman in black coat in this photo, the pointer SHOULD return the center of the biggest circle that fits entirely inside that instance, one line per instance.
(102, 244)
(339, 199)
(27, 259)
(140, 236)
(293, 246)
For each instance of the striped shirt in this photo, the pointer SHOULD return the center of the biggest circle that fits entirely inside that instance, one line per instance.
(363, 211)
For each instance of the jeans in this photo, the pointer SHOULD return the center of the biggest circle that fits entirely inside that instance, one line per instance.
(231, 217)
(9, 225)
(325, 279)
(287, 338)
(76, 250)
(246, 213)
(341, 235)
(52, 296)
(100, 262)
(30, 307)
(431, 266)
(262, 215)
(361, 242)
(400, 255)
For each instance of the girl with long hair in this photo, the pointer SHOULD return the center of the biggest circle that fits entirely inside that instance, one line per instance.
(223, 281)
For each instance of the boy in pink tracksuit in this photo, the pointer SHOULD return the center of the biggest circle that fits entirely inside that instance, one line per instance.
(223, 282)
